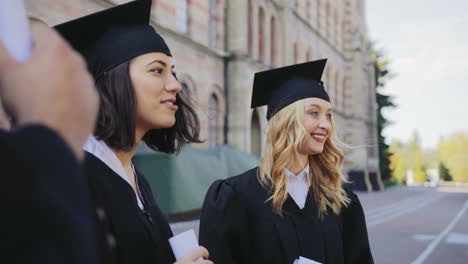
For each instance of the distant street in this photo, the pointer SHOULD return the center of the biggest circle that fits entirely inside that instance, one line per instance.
(412, 225)
(418, 225)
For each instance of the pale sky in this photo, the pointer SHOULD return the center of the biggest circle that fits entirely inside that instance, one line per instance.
(426, 42)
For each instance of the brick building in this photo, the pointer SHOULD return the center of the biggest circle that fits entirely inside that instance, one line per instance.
(219, 44)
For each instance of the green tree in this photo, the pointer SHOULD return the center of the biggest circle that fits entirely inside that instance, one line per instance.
(415, 159)
(398, 161)
(382, 74)
(453, 152)
(444, 172)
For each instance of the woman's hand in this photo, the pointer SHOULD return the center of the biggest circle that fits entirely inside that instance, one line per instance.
(194, 256)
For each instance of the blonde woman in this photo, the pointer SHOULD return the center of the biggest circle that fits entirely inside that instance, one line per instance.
(292, 205)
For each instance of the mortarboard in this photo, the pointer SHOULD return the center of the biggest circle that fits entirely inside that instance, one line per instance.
(113, 36)
(281, 87)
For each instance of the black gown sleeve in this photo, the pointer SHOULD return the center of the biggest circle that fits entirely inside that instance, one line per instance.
(355, 239)
(223, 225)
(46, 206)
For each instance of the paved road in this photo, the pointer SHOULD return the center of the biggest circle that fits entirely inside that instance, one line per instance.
(418, 225)
(412, 225)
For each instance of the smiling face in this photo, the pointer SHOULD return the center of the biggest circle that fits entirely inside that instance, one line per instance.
(317, 122)
(156, 87)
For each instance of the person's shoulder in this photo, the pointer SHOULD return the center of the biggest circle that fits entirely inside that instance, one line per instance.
(97, 172)
(244, 180)
(93, 164)
(230, 190)
(92, 160)
(351, 195)
(354, 208)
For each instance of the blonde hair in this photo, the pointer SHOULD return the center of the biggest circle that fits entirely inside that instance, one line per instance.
(284, 137)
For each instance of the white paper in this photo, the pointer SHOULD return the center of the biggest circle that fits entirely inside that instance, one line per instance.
(183, 243)
(14, 29)
(303, 260)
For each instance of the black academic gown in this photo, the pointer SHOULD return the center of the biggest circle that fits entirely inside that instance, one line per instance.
(46, 210)
(141, 236)
(238, 226)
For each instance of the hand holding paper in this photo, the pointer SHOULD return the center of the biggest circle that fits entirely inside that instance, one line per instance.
(183, 243)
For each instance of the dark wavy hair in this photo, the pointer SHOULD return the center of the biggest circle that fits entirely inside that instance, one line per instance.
(116, 122)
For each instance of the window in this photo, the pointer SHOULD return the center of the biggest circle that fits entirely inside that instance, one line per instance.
(343, 36)
(356, 40)
(213, 121)
(295, 3)
(327, 80)
(319, 26)
(182, 16)
(343, 95)
(337, 88)
(255, 135)
(272, 42)
(261, 34)
(185, 89)
(328, 21)
(213, 23)
(335, 28)
(249, 29)
(296, 53)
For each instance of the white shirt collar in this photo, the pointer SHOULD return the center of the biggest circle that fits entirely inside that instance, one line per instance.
(99, 149)
(298, 186)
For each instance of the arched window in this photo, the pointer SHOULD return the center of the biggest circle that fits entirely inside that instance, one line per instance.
(337, 88)
(185, 89)
(328, 21)
(327, 79)
(296, 53)
(188, 86)
(343, 36)
(319, 5)
(249, 29)
(308, 9)
(213, 121)
(213, 23)
(255, 135)
(336, 27)
(182, 15)
(343, 95)
(261, 34)
(272, 41)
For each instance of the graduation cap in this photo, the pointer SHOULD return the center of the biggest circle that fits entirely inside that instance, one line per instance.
(281, 87)
(113, 36)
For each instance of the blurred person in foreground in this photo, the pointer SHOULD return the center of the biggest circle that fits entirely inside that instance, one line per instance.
(293, 204)
(47, 215)
(140, 101)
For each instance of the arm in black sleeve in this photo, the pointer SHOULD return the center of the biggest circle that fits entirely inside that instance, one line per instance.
(355, 239)
(46, 206)
(223, 225)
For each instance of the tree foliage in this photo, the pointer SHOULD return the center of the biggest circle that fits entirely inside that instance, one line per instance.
(416, 160)
(444, 173)
(398, 161)
(453, 153)
(382, 74)
(450, 159)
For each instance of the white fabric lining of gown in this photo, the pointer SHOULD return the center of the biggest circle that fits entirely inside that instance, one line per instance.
(100, 149)
(298, 186)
